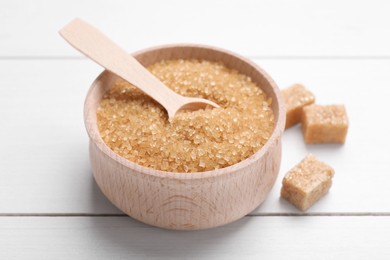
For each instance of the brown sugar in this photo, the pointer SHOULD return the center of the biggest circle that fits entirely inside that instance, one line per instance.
(307, 182)
(324, 124)
(295, 98)
(137, 128)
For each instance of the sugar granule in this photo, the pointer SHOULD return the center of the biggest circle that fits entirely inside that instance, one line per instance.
(137, 128)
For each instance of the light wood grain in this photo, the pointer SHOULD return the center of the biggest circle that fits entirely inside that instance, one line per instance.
(253, 28)
(57, 179)
(186, 201)
(99, 48)
(249, 238)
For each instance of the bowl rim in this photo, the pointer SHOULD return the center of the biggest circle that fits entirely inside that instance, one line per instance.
(95, 137)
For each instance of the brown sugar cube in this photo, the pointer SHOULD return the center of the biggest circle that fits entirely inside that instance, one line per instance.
(295, 98)
(307, 182)
(324, 124)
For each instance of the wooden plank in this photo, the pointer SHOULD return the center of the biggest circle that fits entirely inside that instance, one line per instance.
(44, 164)
(248, 238)
(253, 28)
(44, 153)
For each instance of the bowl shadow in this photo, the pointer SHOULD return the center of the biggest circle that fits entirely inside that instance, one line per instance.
(129, 237)
(115, 230)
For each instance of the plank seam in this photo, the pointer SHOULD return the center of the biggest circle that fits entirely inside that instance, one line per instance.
(314, 214)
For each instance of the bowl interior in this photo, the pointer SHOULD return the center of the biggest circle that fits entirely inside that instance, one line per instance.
(149, 56)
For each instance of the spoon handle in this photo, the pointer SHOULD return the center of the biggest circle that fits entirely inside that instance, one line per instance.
(98, 47)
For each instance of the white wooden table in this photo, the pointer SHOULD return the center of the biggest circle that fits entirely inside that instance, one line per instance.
(50, 206)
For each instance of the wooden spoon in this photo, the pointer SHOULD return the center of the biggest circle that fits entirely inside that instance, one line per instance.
(98, 47)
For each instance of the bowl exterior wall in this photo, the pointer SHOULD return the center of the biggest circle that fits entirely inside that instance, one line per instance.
(186, 204)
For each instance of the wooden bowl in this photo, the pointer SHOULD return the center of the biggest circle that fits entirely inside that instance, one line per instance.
(186, 201)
